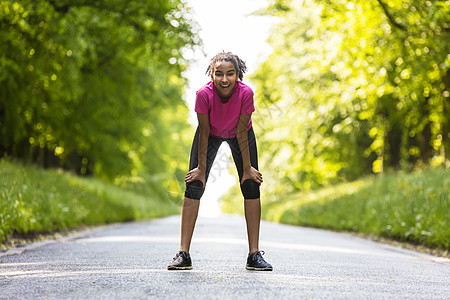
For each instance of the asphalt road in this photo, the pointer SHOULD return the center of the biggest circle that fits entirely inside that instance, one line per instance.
(128, 261)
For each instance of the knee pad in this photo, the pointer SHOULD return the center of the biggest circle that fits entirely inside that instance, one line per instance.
(194, 190)
(250, 189)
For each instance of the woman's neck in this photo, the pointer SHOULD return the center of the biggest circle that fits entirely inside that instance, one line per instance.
(224, 99)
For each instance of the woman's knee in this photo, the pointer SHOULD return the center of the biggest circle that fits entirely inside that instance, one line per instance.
(250, 189)
(194, 190)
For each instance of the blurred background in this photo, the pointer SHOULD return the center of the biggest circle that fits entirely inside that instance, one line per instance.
(352, 111)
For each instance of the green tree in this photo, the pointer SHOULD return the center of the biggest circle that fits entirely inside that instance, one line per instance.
(94, 86)
(362, 87)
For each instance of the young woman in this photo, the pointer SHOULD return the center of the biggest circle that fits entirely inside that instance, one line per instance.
(224, 107)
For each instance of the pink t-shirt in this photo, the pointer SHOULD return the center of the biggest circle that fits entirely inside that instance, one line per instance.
(223, 117)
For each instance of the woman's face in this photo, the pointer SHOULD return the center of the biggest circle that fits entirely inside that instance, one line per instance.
(224, 78)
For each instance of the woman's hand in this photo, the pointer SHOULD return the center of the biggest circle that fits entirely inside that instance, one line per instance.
(252, 174)
(194, 175)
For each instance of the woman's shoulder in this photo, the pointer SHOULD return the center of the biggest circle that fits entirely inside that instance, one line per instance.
(206, 89)
(244, 89)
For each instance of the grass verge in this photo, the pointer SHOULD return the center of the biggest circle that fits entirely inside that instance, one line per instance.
(412, 208)
(35, 201)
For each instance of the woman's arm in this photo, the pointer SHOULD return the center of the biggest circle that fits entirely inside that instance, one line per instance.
(199, 172)
(203, 123)
(242, 137)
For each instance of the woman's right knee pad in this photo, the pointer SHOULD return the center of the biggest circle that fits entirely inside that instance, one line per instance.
(194, 190)
(250, 189)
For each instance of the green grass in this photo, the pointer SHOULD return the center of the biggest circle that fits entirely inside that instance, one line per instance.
(411, 207)
(43, 201)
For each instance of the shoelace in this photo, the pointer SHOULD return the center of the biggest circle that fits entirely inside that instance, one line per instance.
(258, 256)
(177, 255)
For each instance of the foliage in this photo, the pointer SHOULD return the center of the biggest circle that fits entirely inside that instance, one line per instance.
(407, 207)
(36, 200)
(362, 87)
(94, 86)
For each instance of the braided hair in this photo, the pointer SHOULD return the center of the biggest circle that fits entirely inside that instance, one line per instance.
(238, 63)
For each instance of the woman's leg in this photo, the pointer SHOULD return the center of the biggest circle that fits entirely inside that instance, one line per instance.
(194, 190)
(252, 208)
(189, 213)
(250, 191)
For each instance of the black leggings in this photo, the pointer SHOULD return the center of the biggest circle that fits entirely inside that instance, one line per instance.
(250, 189)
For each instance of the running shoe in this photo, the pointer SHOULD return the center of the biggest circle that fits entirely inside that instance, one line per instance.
(256, 262)
(182, 261)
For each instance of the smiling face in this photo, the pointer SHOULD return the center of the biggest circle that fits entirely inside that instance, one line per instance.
(224, 77)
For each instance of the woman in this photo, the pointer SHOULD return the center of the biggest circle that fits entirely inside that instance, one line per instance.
(224, 107)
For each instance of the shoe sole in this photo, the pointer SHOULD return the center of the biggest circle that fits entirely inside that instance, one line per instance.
(258, 269)
(179, 268)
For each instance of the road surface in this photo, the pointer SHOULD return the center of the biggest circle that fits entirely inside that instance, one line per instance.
(128, 261)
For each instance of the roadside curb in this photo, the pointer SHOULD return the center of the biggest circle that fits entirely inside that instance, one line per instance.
(64, 239)
(421, 255)
(402, 247)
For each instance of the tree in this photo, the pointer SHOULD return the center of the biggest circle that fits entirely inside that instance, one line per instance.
(363, 87)
(94, 86)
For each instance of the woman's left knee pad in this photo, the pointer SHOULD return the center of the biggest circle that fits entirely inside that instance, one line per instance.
(194, 190)
(250, 189)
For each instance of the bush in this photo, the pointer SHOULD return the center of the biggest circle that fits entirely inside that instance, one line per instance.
(36, 200)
